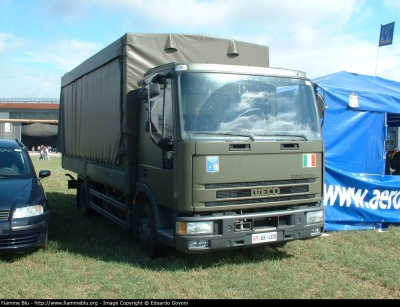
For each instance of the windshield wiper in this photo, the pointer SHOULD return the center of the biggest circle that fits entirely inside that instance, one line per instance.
(284, 134)
(250, 136)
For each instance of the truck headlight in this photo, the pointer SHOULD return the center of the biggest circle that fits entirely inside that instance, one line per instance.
(315, 217)
(27, 211)
(194, 228)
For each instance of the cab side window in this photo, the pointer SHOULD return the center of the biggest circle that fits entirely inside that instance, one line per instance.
(165, 119)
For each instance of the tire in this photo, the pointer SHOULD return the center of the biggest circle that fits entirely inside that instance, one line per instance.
(147, 234)
(84, 199)
(135, 223)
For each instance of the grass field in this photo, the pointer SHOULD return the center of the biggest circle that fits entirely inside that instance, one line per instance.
(91, 258)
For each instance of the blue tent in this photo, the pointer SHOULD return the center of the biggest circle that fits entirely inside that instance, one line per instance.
(358, 194)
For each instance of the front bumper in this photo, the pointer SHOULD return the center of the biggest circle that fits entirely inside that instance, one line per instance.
(23, 236)
(244, 230)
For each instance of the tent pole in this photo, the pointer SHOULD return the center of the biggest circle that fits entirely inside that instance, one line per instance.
(376, 65)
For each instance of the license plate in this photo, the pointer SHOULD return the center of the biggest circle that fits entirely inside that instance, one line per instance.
(264, 237)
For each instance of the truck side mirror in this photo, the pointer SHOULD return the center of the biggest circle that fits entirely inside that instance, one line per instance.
(153, 89)
(320, 104)
(320, 98)
(153, 127)
(153, 118)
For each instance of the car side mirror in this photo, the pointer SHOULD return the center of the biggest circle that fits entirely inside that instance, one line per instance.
(44, 173)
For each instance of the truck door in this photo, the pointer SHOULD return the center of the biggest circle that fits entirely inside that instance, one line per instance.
(157, 165)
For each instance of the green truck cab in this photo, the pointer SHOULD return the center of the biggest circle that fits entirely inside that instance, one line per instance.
(206, 151)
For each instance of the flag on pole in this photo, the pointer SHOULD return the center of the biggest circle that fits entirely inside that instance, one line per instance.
(386, 37)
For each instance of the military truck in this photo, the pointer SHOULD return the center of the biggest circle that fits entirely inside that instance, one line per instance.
(194, 142)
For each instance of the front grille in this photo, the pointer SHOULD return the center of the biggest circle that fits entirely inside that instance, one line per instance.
(258, 183)
(260, 192)
(257, 200)
(247, 193)
(4, 215)
(16, 241)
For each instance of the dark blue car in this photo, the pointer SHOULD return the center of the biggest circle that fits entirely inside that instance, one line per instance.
(24, 209)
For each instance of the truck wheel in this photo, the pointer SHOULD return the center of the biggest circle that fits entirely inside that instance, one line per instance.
(84, 199)
(147, 233)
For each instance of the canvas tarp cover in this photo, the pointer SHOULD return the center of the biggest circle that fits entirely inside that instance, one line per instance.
(96, 118)
(357, 193)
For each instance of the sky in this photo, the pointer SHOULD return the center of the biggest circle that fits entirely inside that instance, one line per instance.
(41, 40)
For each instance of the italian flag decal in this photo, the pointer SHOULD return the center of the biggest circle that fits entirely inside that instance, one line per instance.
(309, 160)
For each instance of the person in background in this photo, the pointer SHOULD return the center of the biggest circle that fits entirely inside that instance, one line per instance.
(46, 150)
(395, 163)
(389, 157)
(42, 153)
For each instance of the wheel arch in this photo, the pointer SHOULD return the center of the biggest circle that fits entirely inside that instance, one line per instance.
(143, 192)
(162, 215)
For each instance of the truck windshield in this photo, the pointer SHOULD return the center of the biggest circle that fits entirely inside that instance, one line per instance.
(232, 106)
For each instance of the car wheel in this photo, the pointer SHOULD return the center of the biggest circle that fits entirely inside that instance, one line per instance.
(147, 233)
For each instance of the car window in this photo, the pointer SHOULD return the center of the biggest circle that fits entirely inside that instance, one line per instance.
(14, 163)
